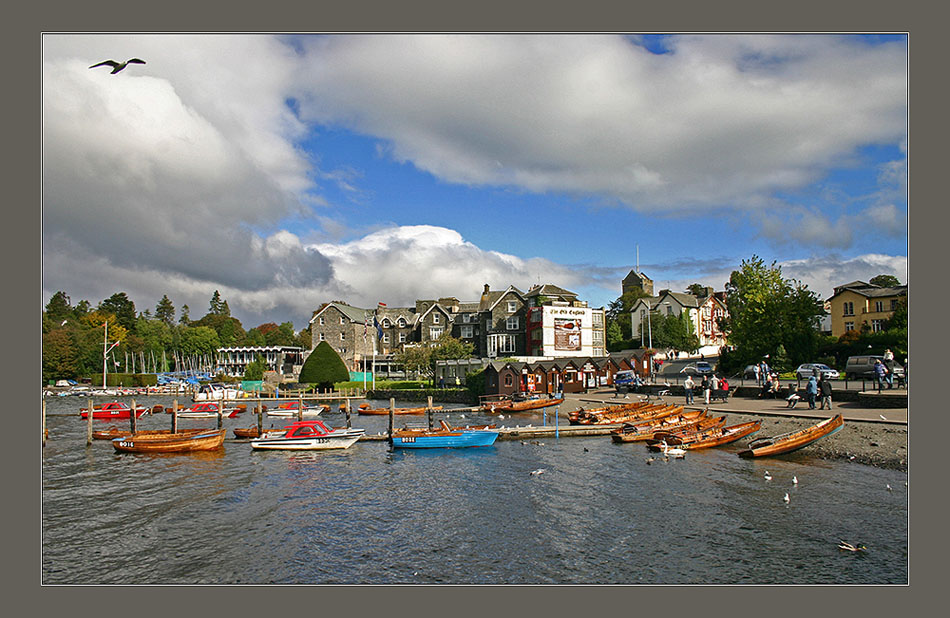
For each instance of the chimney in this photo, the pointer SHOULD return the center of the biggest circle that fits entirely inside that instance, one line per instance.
(487, 288)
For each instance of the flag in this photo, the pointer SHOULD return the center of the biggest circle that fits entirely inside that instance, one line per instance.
(379, 329)
(381, 304)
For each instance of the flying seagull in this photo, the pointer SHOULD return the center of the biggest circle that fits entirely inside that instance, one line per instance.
(117, 66)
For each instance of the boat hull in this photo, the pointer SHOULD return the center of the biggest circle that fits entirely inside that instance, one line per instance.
(385, 411)
(779, 445)
(317, 443)
(454, 439)
(180, 442)
(523, 406)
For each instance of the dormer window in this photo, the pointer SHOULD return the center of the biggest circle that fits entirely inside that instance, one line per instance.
(386, 323)
(435, 318)
(512, 306)
(402, 323)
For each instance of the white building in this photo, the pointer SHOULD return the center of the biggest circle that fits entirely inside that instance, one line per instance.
(559, 331)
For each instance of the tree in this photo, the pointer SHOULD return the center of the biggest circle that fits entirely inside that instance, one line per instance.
(254, 338)
(416, 359)
(184, 318)
(766, 311)
(199, 340)
(696, 289)
(58, 308)
(898, 319)
(165, 311)
(304, 339)
(255, 369)
(122, 308)
(618, 311)
(885, 281)
(229, 330)
(324, 367)
(218, 306)
(60, 360)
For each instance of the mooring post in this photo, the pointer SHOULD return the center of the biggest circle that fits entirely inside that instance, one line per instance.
(220, 411)
(346, 410)
(429, 410)
(300, 405)
(89, 409)
(392, 411)
(260, 417)
(44, 422)
(556, 430)
(175, 416)
(132, 417)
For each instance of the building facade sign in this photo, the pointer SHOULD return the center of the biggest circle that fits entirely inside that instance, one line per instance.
(567, 335)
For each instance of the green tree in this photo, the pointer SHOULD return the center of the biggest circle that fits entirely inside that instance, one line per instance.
(82, 308)
(416, 360)
(304, 339)
(199, 340)
(618, 311)
(255, 338)
(696, 289)
(885, 281)
(898, 319)
(765, 311)
(324, 367)
(255, 369)
(185, 317)
(218, 306)
(60, 358)
(229, 330)
(122, 308)
(58, 308)
(165, 311)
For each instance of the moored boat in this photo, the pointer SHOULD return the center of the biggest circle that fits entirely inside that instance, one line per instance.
(291, 409)
(207, 409)
(444, 436)
(113, 410)
(527, 404)
(114, 432)
(246, 432)
(179, 442)
(788, 442)
(385, 411)
(694, 440)
(216, 390)
(309, 436)
(639, 432)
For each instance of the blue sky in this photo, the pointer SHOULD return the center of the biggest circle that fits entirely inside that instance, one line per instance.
(288, 171)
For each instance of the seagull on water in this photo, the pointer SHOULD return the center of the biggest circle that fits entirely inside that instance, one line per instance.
(117, 66)
(794, 480)
(650, 460)
(768, 477)
(537, 472)
(501, 416)
(786, 498)
(889, 488)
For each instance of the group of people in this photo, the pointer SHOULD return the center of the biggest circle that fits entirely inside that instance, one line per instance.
(884, 372)
(817, 386)
(708, 384)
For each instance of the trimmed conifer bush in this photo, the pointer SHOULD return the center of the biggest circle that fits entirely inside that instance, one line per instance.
(324, 367)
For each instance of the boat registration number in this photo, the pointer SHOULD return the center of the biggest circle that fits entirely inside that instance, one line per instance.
(127, 444)
(408, 439)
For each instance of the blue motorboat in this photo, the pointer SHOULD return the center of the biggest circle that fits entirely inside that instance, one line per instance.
(444, 437)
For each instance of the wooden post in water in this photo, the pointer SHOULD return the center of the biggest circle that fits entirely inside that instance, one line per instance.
(429, 410)
(132, 418)
(346, 410)
(220, 412)
(44, 422)
(392, 411)
(299, 405)
(89, 409)
(260, 417)
(175, 416)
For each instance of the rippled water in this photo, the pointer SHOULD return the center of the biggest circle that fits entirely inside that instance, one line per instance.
(598, 514)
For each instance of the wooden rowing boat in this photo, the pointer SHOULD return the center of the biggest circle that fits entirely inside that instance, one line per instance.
(114, 432)
(788, 442)
(246, 432)
(179, 442)
(633, 416)
(523, 406)
(385, 411)
(628, 433)
(574, 417)
(694, 440)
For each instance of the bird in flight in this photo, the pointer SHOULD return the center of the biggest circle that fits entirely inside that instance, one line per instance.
(117, 66)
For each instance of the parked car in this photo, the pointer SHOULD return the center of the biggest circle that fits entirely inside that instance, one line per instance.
(807, 370)
(749, 373)
(625, 381)
(698, 368)
(862, 366)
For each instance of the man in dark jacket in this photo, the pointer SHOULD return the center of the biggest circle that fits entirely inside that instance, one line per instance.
(824, 387)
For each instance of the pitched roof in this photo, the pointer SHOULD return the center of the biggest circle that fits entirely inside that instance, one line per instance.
(548, 290)
(869, 290)
(353, 314)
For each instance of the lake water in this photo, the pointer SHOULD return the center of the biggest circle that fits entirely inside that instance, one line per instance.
(599, 514)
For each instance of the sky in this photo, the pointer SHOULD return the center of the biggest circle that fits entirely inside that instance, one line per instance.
(285, 171)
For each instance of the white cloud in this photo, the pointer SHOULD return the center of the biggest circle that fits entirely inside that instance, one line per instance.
(722, 120)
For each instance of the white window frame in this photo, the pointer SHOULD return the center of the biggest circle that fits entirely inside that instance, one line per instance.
(342, 336)
(848, 326)
(402, 337)
(877, 326)
(879, 306)
(467, 332)
(511, 323)
(435, 318)
(385, 337)
(402, 323)
(512, 306)
(322, 321)
(342, 320)
(436, 332)
(323, 337)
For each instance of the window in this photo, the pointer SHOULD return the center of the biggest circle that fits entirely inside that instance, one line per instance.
(435, 318)
(669, 310)
(402, 337)
(322, 336)
(512, 306)
(512, 323)
(467, 332)
(435, 332)
(402, 323)
(893, 304)
(322, 321)
(848, 326)
(500, 344)
(878, 306)
(385, 338)
(848, 308)
(386, 323)
(877, 326)
(342, 320)
(466, 318)
(342, 336)
(509, 380)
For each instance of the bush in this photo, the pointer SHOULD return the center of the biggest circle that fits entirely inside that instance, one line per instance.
(324, 367)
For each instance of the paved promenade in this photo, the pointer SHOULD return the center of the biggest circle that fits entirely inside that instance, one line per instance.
(850, 410)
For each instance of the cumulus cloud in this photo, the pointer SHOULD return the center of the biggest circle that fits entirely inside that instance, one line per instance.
(720, 120)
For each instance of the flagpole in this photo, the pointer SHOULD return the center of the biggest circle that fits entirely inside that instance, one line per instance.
(105, 342)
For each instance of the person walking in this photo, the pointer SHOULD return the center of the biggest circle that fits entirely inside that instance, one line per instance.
(811, 391)
(758, 378)
(705, 386)
(824, 387)
(880, 372)
(688, 389)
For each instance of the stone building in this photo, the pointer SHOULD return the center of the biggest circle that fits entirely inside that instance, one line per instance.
(636, 280)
